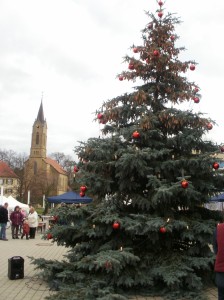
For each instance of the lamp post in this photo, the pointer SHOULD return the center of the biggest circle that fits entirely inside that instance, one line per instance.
(43, 201)
(2, 194)
(28, 198)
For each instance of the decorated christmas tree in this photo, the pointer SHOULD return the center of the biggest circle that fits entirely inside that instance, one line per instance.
(150, 175)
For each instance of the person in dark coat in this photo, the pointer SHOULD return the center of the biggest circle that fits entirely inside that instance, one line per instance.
(16, 218)
(218, 247)
(3, 221)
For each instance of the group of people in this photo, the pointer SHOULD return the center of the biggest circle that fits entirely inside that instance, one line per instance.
(22, 222)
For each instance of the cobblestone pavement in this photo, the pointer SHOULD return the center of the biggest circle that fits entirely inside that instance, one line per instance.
(31, 287)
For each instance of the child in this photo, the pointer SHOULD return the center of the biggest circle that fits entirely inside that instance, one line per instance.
(26, 229)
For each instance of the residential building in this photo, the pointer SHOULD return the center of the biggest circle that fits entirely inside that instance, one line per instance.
(8, 180)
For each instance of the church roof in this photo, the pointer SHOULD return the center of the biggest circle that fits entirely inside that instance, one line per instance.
(55, 165)
(40, 115)
(6, 171)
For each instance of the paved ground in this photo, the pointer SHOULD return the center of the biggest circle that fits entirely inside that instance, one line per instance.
(31, 287)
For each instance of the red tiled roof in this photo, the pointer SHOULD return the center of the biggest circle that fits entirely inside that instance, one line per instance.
(55, 165)
(6, 171)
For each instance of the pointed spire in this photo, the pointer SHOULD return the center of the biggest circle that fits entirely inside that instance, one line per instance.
(40, 115)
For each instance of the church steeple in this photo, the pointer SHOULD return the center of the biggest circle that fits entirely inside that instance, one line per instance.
(39, 135)
(40, 115)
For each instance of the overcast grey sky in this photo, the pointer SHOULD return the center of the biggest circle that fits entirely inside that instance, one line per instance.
(72, 50)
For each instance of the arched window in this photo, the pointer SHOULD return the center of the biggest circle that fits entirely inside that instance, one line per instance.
(35, 168)
(37, 138)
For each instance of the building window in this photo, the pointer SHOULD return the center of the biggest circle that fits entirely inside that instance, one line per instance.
(9, 181)
(1, 181)
(37, 138)
(8, 191)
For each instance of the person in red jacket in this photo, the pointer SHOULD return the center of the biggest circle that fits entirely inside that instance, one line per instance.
(26, 229)
(218, 247)
(16, 218)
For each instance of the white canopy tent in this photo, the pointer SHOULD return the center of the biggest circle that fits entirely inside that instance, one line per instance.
(12, 202)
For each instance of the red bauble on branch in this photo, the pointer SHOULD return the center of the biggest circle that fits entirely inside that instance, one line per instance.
(135, 50)
(156, 53)
(209, 126)
(196, 100)
(121, 78)
(83, 188)
(184, 184)
(172, 37)
(116, 225)
(160, 3)
(196, 89)
(215, 165)
(150, 25)
(99, 116)
(56, 218)
(162, 229)
(49, 236)
(82, 194)
(192, 67)
(131, 66)
(108, 265)
(160, 14)
(103, 121)
(76, 169)
(136, 135)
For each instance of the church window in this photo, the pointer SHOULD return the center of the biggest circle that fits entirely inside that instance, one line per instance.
(35, 168)
(37, 138)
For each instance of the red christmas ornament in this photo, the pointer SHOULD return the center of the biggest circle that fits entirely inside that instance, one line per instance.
(150, 25)
(76, 169)
(116, 225)
(82, 194)
(49, 236)
(172, 37)
(156, 53)
(160, 3)
(108, 265)
(215, 165)
(99, 116)
(222, 148)
(83, 188)
(196, 89)
(131, 67)
(103, 121)
(184, 184)
(196, 100)
(121, 78)
(209, 126)
(160, 14)
(192, 67)
(162, 229)
(136, 135)
(55, 218)
(135, 50)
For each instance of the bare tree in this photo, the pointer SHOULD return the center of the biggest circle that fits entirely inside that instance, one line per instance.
(65, 161)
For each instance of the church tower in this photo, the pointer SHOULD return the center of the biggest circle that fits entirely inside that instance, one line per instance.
(39, 136)
(43, 175)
